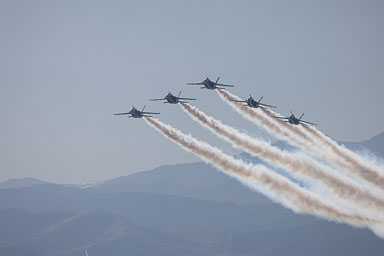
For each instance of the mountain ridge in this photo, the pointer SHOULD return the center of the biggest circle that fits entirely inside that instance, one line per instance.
(184, 209)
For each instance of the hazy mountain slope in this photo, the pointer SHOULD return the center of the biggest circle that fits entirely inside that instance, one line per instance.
(21, 182)
(196, 180)
(167, 212)
(17, 227)
(17, 251)
(375, 145)
(16, 223)
(104, 233)
(316, 238)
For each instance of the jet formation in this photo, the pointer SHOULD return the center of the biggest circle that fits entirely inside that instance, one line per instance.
(210, 85)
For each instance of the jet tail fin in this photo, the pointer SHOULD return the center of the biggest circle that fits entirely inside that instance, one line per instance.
(301, 116)
(260, 99)
(217, 80)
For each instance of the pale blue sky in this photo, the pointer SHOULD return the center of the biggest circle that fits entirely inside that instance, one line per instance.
(67, 66)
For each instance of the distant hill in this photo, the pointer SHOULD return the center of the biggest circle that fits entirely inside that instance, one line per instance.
(101, 233)
(166, 212)
(15, 222)
(104, 233)
(315, 238)
(375, 145)
(20, 182)
(196, 180)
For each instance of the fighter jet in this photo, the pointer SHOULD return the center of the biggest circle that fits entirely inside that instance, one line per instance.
(250, 102)
(208, 84)
(293, 120)
(172, 99)
(137, 113)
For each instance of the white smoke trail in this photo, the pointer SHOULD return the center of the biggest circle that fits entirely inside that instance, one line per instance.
(292, 195)
(340, 156)
(350, 160)
(294, 162)
(303, 138)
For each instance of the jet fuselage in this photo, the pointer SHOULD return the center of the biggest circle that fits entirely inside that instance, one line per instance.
(252, 103)
(209, 84)
(293, 120)
(172, 99)
(136, 113)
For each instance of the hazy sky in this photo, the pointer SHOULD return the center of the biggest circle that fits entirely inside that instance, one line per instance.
(67, 66)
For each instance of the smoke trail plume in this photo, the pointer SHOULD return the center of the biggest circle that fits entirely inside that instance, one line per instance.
(303, 138)
(340, 156)
(292, 195)
(350, 160)
(294, 162)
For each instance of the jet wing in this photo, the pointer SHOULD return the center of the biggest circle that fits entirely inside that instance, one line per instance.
(301, 121)
(185, 99)
(117, 114)
(281, 117)
(226, 85)
(262, 104)
(194, 83)
(156, 99)
(150, 113)
(239, 100)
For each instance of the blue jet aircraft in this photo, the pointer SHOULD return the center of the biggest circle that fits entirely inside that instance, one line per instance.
(172, 99)
(137, 113)
(250, 102)
(293, 120)
(208, 84)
